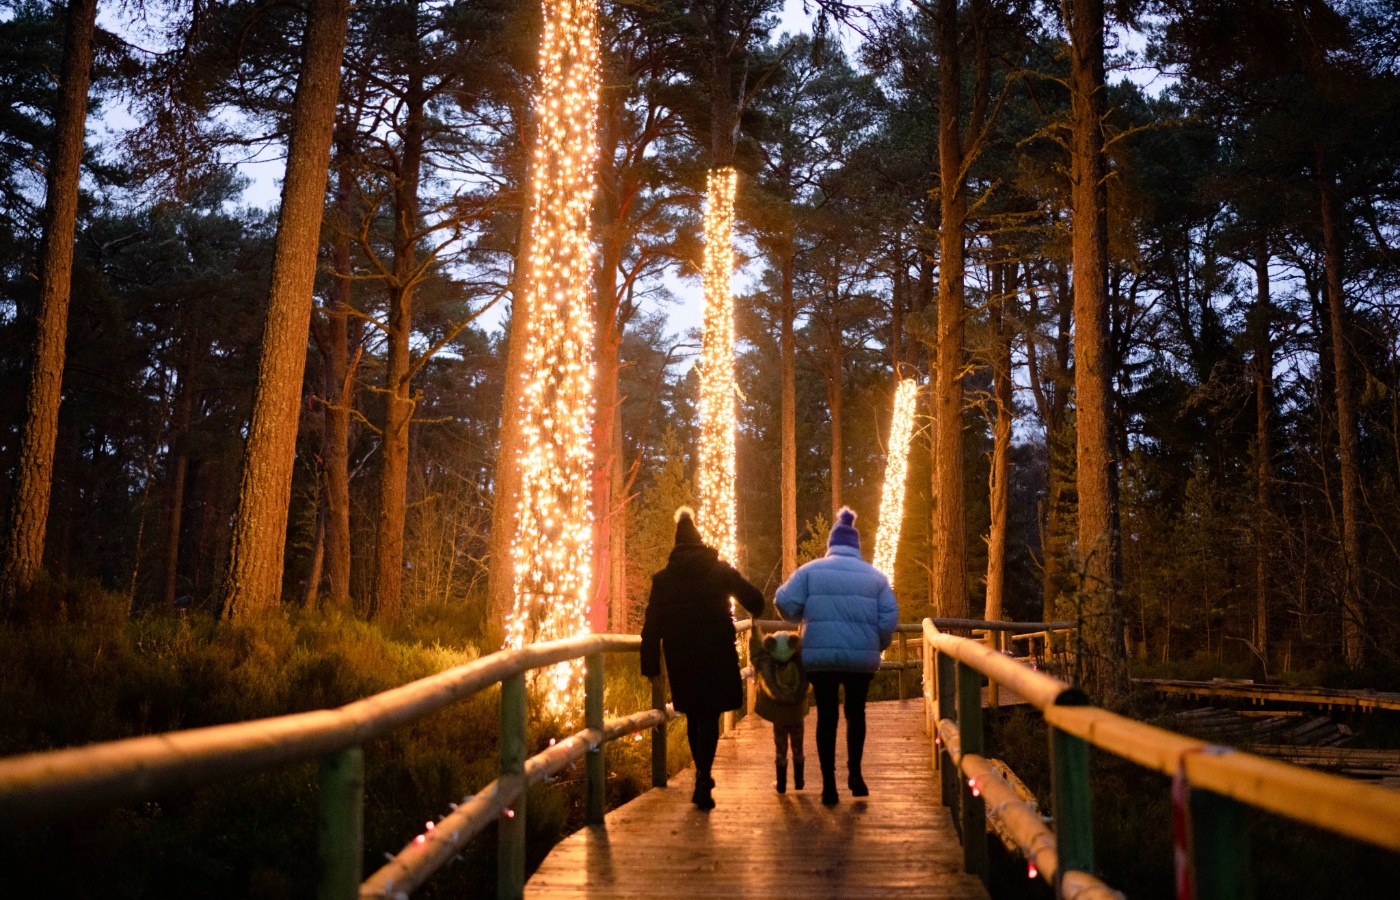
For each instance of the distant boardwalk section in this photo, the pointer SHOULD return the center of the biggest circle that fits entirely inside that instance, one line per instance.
(758, 843)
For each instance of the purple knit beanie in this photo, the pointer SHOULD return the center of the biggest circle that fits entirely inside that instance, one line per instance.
(843, 533)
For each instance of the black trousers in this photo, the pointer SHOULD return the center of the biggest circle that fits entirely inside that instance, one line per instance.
(826, 686)
(702, 731)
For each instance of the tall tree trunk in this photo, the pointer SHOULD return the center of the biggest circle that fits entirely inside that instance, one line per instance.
(1353, 612)
(1106, 668)
(950, 553)
(619, 604)
(1263, 372)
(398, 401)
(179, 472)
(998, 479)
(335, 445)
(608, 341)
(254, 580)
(787, 351)
(834, 391)
(29, 511)
(318, 557)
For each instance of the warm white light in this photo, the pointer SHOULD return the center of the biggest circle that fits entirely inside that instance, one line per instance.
(896, 468)
(554, 531)
(716, 520)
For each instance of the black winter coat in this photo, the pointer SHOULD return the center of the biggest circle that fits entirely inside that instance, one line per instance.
(688, 618)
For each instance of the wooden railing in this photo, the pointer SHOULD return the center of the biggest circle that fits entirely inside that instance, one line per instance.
(46, 786)
(1222, 781)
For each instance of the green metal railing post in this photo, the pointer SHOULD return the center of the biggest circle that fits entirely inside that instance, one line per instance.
(1074, 823)
(1219, 847)
(594, 775)
(974, 812)
(340, 824)
(510, 866)
(947, 709)
(658, 733)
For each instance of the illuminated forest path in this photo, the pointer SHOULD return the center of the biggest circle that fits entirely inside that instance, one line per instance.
(758, 843)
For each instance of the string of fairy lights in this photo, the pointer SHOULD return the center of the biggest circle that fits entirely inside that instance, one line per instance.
(896, 468)
(717, 390)
(554, 530)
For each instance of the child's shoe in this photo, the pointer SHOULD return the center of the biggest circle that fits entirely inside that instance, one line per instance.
(797, 781)
(782, 776)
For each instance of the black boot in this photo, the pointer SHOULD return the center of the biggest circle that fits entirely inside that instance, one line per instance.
(857, 784)
(702, 798)
(797, 781)
(829, 795)
(782, 776)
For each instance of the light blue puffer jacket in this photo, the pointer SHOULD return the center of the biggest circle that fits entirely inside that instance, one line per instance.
(847, 608)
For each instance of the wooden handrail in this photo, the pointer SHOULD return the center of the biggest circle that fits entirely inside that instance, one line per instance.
(1224, 778)
(50, 784)
(40, 786)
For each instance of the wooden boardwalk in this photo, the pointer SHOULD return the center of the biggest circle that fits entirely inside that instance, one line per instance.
(757, 843)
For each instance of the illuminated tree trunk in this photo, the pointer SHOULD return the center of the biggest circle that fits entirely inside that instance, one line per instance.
(335, 448)
(787, 350)
(717, 401)
(1106, 668)
(1353, 612)
(950, 553)
(29, 511)
(999, 478)
(1263, 372)
(254, 580)
(398, 401)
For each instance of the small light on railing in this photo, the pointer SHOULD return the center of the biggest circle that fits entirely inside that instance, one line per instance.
(637, 736)
(976, 791)
(430, 825)
(510, 813)
(421, 839)
(938, 739)
(1031, 871)
(551, 742)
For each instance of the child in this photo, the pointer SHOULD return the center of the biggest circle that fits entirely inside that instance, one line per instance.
(782, 697)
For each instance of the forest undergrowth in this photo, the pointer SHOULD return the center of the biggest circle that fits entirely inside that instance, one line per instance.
(81, 669)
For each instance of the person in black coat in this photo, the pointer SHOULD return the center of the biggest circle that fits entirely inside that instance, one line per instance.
(689, 619)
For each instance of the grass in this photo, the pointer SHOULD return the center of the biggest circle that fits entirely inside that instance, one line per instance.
(81, 669)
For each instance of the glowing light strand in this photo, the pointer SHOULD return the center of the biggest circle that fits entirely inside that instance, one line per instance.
(896, 468)
(553, 539)
(716, 519)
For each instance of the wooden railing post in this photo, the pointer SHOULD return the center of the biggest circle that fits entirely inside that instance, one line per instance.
(1074, 823)
(903, 661)
(947, 709)
(594, 773)
(658, 732)
(974, 813)
(510, 860)
(340, 824)
(1219, 847)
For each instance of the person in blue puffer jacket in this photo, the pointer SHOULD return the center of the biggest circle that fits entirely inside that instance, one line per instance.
(849, 615)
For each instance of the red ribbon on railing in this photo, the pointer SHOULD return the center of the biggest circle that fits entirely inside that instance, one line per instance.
(1181, 821)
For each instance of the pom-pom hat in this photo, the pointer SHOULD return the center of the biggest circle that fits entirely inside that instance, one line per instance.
(843, 533)
(686, 532)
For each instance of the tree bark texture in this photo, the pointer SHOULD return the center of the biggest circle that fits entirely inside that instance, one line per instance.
(787, 351)
(998, 479)
(1263, 374)
(1348, 437)
(608, 342)
(950, 539)
(1106, 666)
(254, 578)
(335, 449)
(500, 579)
(29, 511)
(398, 400)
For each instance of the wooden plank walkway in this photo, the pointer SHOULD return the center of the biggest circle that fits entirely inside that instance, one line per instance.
(757, 843)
